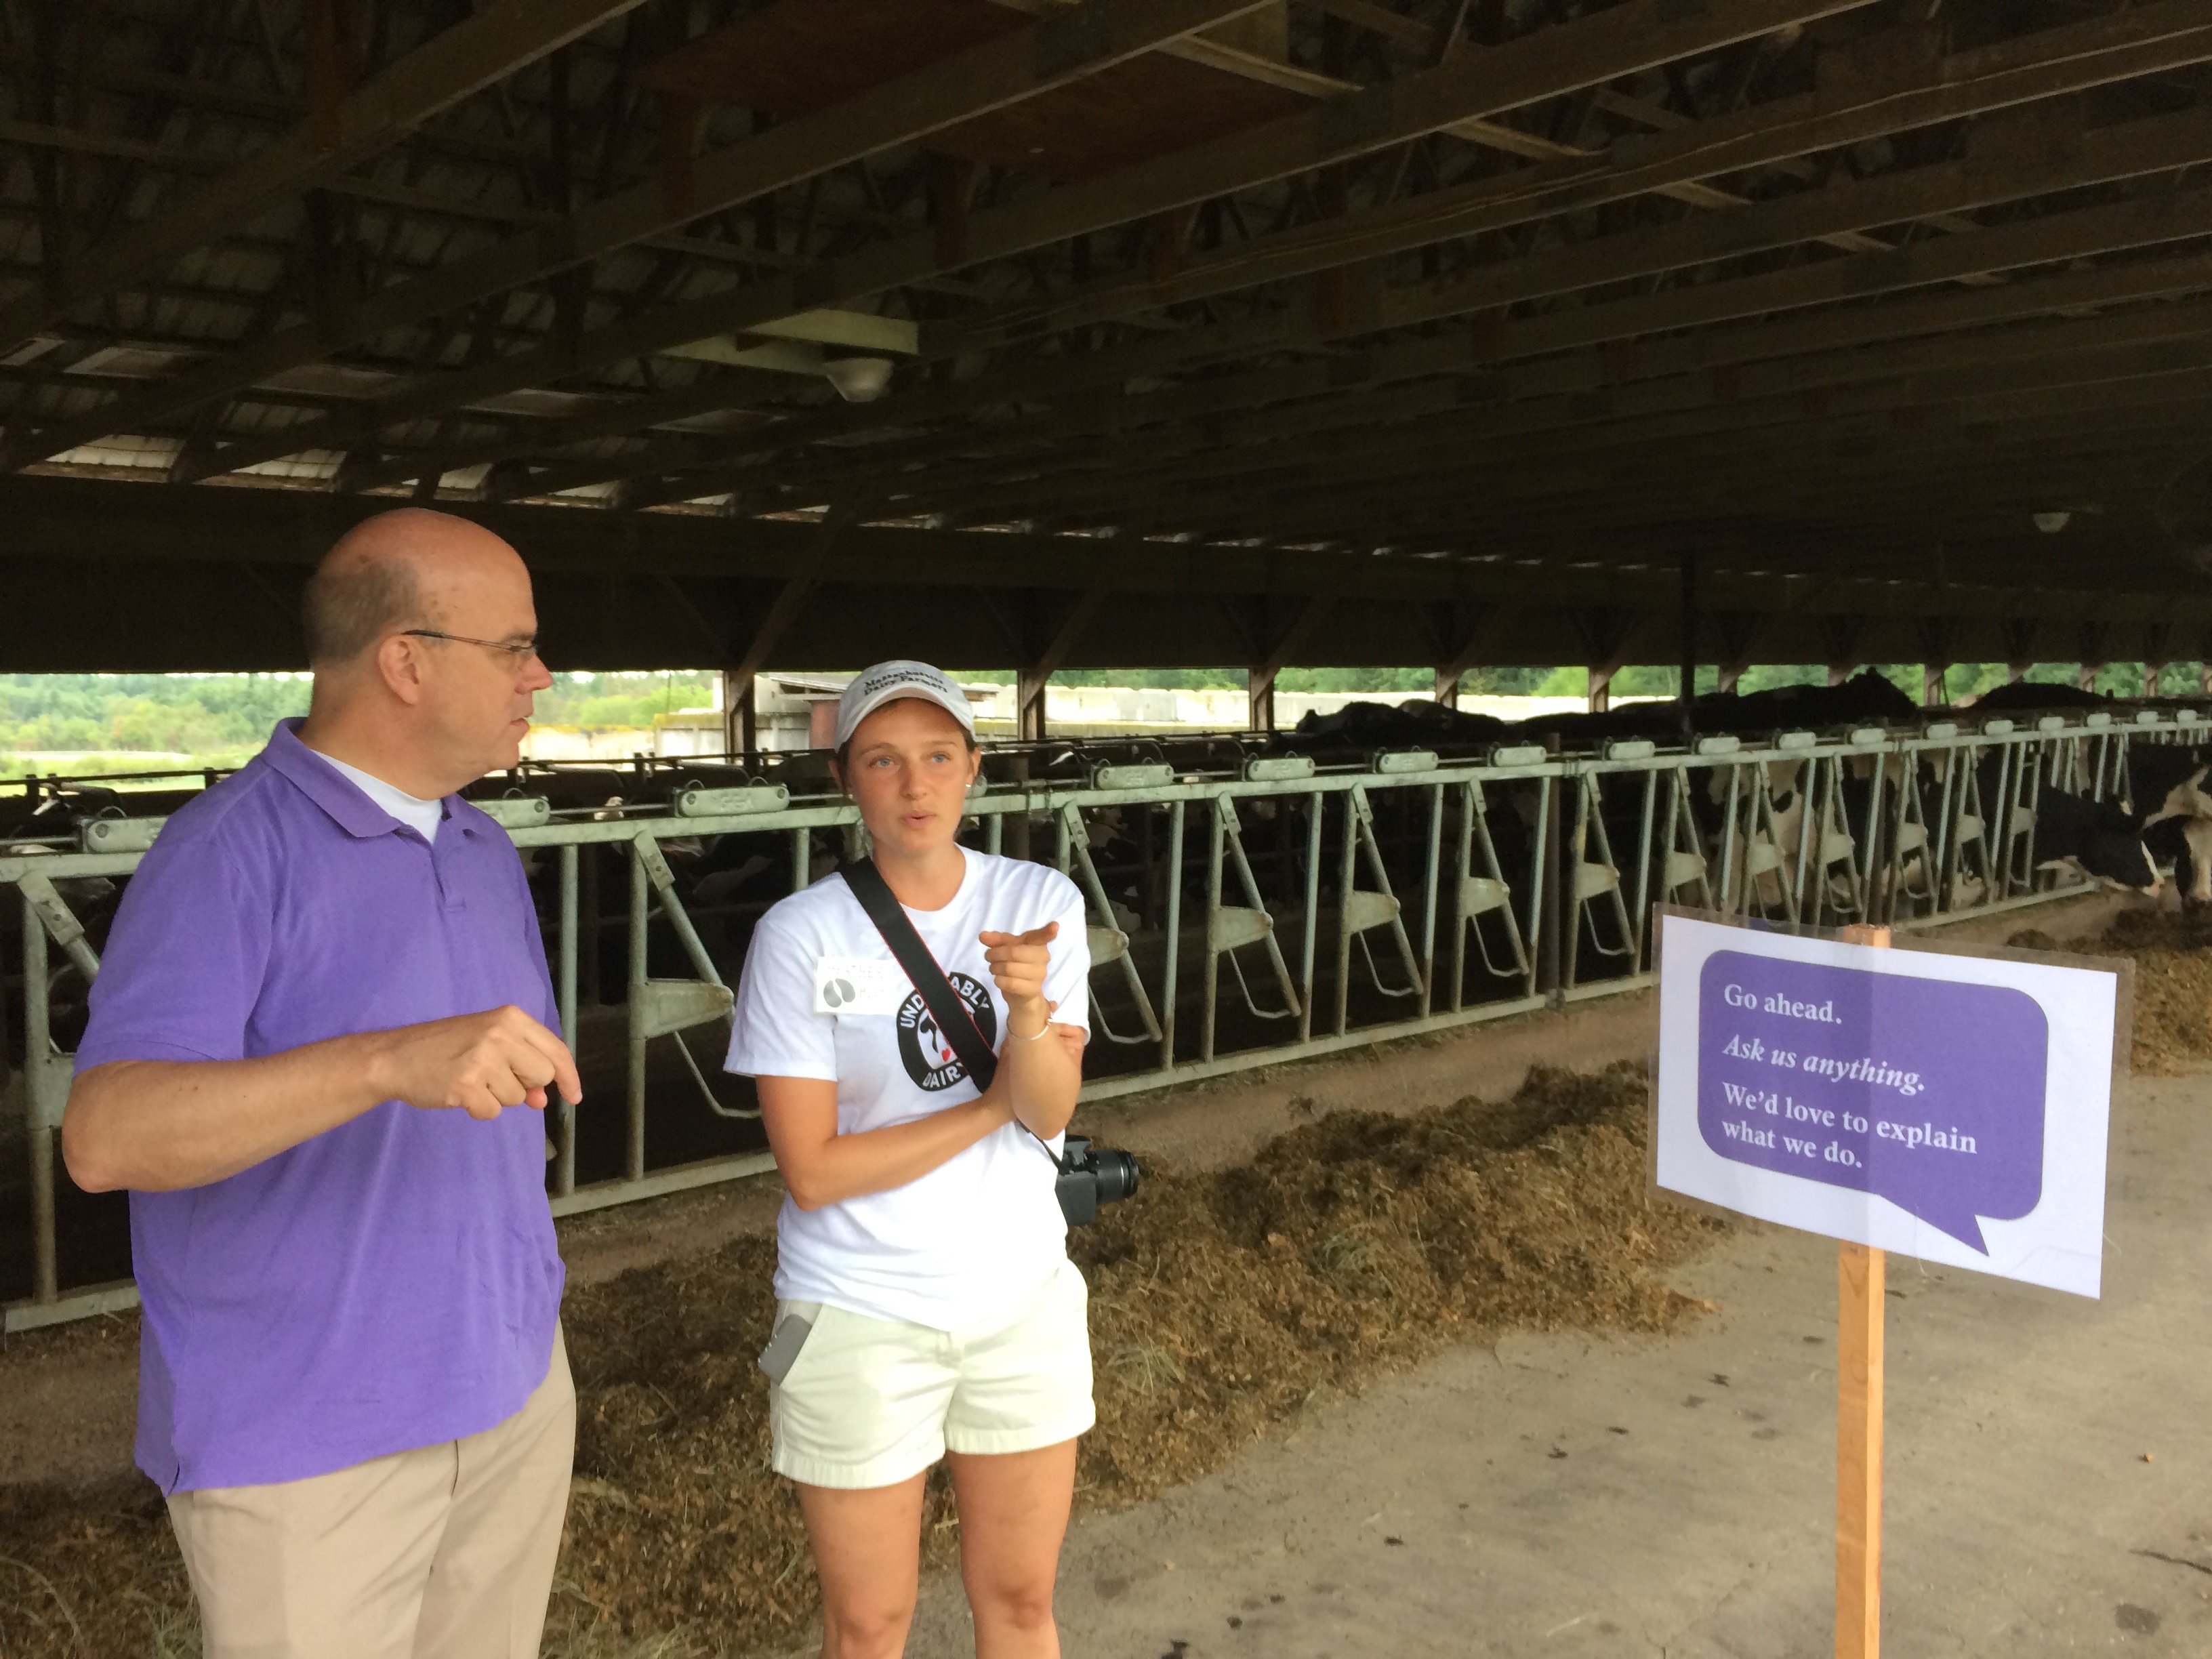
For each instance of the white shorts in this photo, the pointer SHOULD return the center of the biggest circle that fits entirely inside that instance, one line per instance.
(870, 1402)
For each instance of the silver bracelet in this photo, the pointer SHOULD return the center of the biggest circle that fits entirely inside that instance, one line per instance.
(1011, 1037)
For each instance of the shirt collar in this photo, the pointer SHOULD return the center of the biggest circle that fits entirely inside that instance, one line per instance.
(331, 789)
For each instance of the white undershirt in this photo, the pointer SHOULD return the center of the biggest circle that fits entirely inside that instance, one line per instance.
(423, 817)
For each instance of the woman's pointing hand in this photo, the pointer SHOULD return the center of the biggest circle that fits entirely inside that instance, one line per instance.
(1018, 962)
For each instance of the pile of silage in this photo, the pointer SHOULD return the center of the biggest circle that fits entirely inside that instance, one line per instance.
(2172, 954)
(1221, 1303)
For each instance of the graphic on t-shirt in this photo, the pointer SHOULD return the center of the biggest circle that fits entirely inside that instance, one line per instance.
(929, 1059)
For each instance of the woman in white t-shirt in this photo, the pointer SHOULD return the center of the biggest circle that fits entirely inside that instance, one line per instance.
(925, 1305)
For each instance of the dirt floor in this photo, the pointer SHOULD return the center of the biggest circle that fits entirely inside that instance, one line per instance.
(2048, 1473)
(1275, 1352)
(67, 1396)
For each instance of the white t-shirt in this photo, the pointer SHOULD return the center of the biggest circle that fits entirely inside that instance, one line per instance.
(418, 814)
(979, 1234)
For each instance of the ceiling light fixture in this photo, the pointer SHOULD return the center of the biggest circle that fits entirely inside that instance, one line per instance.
(859, 379)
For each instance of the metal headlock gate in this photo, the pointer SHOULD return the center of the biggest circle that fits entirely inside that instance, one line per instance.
(1317, 907)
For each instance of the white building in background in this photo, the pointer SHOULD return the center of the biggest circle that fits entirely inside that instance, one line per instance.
(799, 711)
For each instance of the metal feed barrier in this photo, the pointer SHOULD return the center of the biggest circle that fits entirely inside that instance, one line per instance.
(1282, 906)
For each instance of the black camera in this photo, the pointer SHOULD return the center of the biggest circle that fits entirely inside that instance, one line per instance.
(1088, 1179)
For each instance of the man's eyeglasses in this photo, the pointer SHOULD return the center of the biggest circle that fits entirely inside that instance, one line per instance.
(517, 652)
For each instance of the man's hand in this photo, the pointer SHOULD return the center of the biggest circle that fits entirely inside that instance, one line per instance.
(480, 1063)
(1018, 964)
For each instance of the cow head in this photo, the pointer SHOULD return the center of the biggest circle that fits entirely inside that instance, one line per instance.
(2117, 857)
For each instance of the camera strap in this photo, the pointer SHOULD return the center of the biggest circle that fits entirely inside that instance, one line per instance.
(946, 1006)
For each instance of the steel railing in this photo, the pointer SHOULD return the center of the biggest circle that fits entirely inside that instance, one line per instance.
(1284, 906)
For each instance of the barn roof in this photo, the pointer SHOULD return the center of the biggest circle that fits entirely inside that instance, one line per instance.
(1439, 331)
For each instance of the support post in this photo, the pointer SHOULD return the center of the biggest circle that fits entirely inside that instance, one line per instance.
(564, 1112)
(1260, 677)
(1610, 639)
(1687, 691)
(2015, 672)
(1466, 643)
(1260, 699)
(38, 1051)
(1933, 693)
(791, 597)
(1552, 909)
(2152, 672)
(1014, 827)
(740, 715)
(1844, 639)
(1737, 634)
(640, 916)
(1030, 722)
(2087, 681)
(1860, 1271)
(1030, 725)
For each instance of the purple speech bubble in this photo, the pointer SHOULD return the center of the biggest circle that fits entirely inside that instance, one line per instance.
(1928, 1092)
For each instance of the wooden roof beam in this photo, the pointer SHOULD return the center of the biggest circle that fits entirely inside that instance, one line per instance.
(1530, 70)
(484, 48)
(2142, 147)
(1653, 491)
(1717, 366)
(1873, 92)
(1558, 395)
(2120, 466)
(1508, 440)
(1057, 50)
(2007, 171)
(2155, 215)
(56, 518)
(2038, 65)
(1601, 47)
(1963, 492)
(1690, 475)
(2137, 421)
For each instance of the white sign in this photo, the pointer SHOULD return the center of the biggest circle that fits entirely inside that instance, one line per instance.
(1952, 1108)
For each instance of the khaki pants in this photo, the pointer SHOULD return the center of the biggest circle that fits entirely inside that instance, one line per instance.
(443, 1553)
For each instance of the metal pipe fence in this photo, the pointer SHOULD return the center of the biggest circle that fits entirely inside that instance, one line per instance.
(1282, 906)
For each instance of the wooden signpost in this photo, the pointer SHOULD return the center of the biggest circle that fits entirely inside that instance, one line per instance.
(1952, 1106)
(1862, 1283)
(1859, 1290)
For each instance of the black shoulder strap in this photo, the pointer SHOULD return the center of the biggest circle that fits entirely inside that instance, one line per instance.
(944, 1003)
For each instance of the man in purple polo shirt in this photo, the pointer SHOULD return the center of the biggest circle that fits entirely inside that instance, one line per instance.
(324, 998)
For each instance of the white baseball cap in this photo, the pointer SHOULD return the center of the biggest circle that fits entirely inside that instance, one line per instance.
(887, 681)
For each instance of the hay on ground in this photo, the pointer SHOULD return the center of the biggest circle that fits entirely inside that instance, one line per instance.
(1221, 1303)
(2172, 1025)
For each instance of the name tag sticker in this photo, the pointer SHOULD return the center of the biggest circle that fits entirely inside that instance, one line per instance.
(859, 985)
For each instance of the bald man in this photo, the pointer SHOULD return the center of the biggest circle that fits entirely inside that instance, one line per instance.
(320, 1041)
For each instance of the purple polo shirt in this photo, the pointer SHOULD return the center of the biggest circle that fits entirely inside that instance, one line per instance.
(392, 1282)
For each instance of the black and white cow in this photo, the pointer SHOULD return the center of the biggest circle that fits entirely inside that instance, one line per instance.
(2094, 838)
